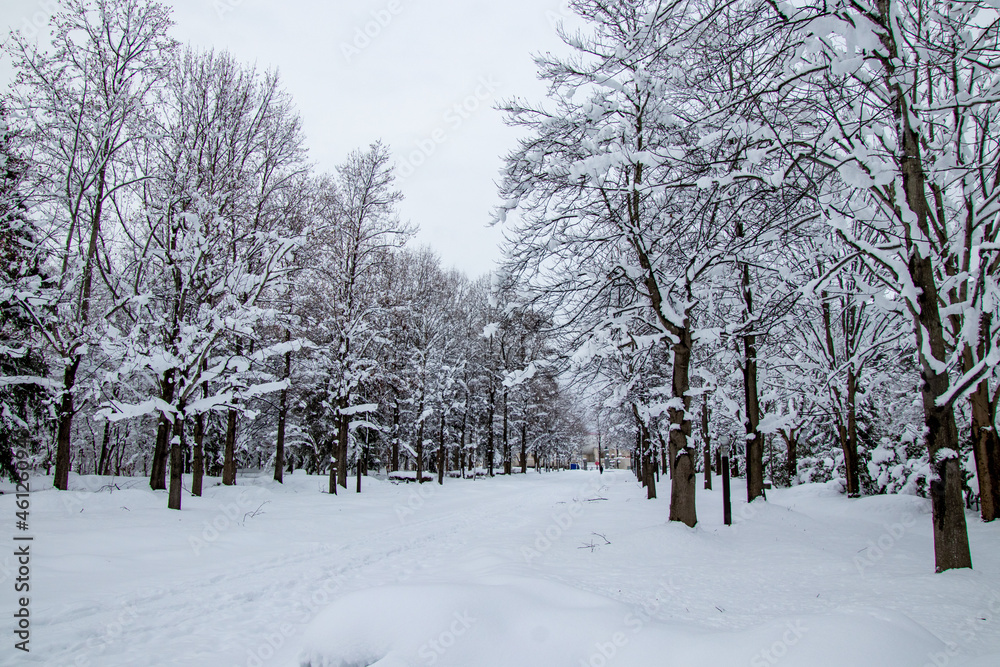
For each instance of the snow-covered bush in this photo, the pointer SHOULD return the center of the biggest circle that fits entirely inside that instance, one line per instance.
(898, 465)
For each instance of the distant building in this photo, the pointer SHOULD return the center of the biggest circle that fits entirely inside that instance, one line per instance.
(613, 458)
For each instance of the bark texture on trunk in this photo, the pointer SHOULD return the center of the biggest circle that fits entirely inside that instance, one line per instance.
(489, 430)
(229, 454)
(682, 487)
(646, 456)
(754, 441)
(198, 463)
(279, 448)
(420, 451)
(524, 445)
(506, 438)
(332, 448)
(394, 462)
(442, 453)
(343, 438)
(176, 462)
(986, 446)
(103, 462)
(708, 443)
(161, 451)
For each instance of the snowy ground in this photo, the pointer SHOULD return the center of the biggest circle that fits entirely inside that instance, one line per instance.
(568, 568)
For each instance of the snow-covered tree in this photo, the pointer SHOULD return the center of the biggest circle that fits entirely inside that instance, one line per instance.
(85, 107)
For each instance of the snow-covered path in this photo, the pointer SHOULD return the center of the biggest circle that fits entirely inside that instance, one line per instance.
(567, 568)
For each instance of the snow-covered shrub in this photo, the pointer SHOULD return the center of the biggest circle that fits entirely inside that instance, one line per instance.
(898, 465)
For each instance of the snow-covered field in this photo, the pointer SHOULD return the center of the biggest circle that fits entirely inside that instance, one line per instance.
(567, 568)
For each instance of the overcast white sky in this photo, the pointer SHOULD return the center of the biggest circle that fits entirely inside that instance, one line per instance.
(362, 70)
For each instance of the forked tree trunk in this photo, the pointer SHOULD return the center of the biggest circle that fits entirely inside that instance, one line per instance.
(161, 452)
(951, 539)
(67, 408)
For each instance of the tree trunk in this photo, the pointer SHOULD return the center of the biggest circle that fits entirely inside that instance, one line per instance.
(638, 460)
(506, 438)
(332, 448)
(791, 456)
(951, 540)
(420, 447)
(229, 455)
(646, 455)
(489, 433)
(442, 453)
(648, 458)
(343, 438)
(986, 446)
(198, 464)
(394, 462)
(359, 463)
(668, 454)
(851, 442)
(754, 444)
(708, 442)
(524, 447)
(103, 461)
(682, 487)
(161, 451)
(461, 448)
(279, 450)
(985, 442)
(66, 408)
(176, 462)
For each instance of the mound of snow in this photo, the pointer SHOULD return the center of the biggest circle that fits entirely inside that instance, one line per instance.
(528, 622)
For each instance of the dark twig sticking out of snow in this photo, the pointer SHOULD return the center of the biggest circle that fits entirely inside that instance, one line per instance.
(592, 545)
(255, 512)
